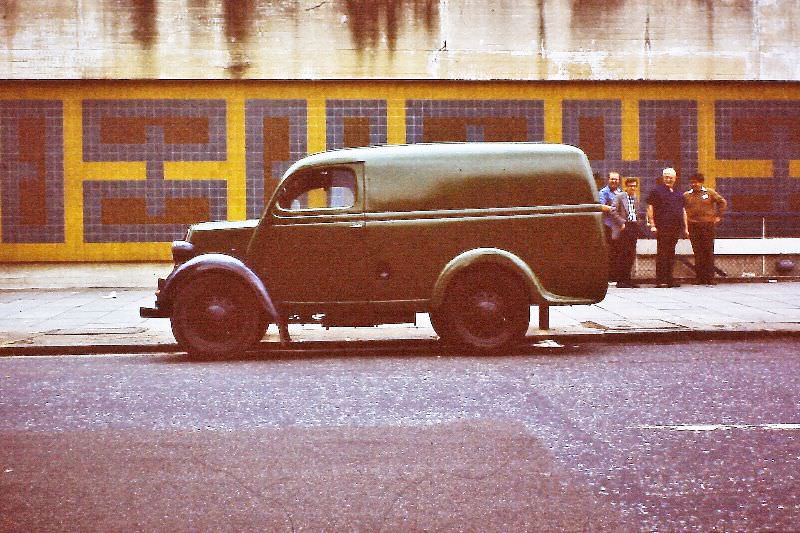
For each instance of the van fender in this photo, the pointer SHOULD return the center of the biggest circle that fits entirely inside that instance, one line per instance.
(208, 263)
(493, 257)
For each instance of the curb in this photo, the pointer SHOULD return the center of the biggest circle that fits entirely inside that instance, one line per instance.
(721, 280)
(412, 345)
(86, 349)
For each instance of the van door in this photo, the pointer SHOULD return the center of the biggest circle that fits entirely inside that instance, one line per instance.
(310, 245)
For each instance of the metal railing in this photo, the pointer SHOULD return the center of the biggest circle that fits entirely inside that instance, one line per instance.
(759, 225)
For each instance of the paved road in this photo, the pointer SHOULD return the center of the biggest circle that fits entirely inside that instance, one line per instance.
(614, 437)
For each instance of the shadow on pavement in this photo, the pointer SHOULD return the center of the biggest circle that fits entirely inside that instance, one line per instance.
(489, 475)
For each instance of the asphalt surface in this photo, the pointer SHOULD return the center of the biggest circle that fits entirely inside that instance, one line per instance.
(691, 436)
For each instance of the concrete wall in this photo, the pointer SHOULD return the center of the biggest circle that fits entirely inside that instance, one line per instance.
(115, 170)
(401, 39)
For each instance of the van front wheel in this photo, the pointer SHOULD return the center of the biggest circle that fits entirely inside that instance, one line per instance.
(216, 316)
(487, 311)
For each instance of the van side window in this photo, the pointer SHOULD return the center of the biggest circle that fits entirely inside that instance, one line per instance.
(319, 188)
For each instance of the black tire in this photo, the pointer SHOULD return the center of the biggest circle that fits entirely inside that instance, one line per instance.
(439, 323)
(487, 311)
(216, 316)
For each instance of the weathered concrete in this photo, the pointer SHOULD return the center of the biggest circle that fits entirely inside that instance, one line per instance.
(401, 39)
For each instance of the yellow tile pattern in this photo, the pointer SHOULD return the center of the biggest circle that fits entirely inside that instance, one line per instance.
(395, 93)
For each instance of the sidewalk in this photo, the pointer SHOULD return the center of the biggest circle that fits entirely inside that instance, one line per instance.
(94, 308)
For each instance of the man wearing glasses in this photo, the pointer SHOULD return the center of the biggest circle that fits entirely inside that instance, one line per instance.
(626, 230)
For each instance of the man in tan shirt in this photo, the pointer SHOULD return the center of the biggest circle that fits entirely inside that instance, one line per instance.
(704, 209)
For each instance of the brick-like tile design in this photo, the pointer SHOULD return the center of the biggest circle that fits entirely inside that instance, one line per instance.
(40, 221)
(275, 137)
(474, 120)
(153, 132)
(596, 127)
(667, 137)
(32, 171)
(760, 130)
(351, 123)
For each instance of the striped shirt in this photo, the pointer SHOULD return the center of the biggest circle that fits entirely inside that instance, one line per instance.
(631, 209)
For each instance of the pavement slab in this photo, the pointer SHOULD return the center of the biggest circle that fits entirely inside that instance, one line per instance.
(78, 308)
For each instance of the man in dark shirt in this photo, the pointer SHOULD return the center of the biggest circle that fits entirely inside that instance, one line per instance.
(667, 218)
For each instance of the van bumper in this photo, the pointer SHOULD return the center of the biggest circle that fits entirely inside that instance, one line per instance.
(158, 310)
(152, 312)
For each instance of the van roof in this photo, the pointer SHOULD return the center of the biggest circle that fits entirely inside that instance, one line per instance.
(467, 150)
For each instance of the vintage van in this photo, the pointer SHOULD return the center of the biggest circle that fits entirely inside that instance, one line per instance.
(471, 233)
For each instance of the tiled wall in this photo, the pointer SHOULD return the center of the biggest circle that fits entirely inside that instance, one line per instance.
(31, 171)
(153, 132)
(116, 170)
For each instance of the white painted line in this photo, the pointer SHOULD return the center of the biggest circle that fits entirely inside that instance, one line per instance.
(722, 427)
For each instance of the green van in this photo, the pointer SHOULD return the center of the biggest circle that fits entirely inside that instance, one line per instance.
(471, 233)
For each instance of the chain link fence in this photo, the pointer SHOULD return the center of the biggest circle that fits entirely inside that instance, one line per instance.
(734, 265)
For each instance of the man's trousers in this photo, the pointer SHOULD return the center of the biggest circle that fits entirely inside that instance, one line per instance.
(702, 237)
(625, 252)
(666, 240)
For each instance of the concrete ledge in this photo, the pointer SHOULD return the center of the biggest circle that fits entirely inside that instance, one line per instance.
(116, 275)
(777, 246)
(538, 342)
(739, 259)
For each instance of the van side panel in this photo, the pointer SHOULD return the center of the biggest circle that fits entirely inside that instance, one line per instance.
(426, 204)
(479, 181)
(566, 251)
(537, 202)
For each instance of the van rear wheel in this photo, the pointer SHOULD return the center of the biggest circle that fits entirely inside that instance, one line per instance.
(440, 323)
(487, 311)
(216, 316)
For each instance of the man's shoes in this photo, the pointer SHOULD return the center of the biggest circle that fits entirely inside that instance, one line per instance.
(623, 285)
(661, 285)
(673, 284)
